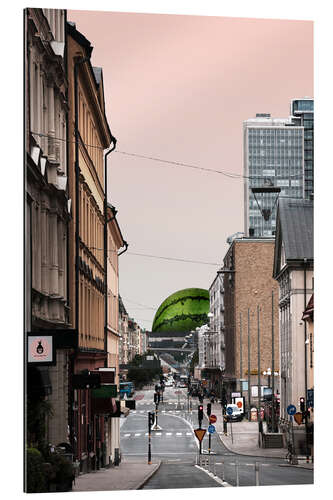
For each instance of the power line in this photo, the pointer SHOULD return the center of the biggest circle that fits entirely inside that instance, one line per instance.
(181, 164)
(174, 259)
(161, 257)
(138, 303)
(231, 175)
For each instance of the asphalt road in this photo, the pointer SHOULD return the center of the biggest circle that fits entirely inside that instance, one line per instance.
(177, 448)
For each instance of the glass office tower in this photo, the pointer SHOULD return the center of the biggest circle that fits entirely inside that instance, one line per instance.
(302, 114)
(273, 158)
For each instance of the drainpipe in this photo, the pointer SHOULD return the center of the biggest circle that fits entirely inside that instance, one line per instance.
(306, 368)
(123, 251)
(77, 189)
(114, 143)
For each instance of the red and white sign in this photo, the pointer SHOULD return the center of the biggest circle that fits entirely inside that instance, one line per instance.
(40, 349)
(239, 402)
(212, 419)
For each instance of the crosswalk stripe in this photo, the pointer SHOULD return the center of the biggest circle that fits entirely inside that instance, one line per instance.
(158, 434)
(137, 434)
(126, 435)
(189, 434)
(168, 433)
(179, 433)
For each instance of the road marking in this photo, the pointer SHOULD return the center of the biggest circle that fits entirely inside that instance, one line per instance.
(137, 434)
(179, 433)
(168, 433)
(189, 434)
(158, 434)
(126, 435)
(133, 411)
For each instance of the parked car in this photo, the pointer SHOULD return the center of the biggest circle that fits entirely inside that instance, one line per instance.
(237, 414)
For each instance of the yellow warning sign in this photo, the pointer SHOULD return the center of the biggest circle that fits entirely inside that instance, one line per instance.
(199, 434)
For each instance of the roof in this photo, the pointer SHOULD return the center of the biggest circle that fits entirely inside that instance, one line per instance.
(296, 219)
(294, 232)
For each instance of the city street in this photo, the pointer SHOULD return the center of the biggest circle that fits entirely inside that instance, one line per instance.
(177, 448)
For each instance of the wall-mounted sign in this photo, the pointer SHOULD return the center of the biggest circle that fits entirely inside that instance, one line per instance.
(41, 349)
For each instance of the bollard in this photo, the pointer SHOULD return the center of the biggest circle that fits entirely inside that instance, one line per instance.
(237, 473)
(256, 467)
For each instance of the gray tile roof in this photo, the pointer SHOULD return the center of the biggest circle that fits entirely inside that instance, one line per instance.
(296, 220)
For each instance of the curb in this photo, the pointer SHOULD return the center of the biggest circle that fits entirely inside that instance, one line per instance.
(239, 452)
(297, 466)
(247, 454)
(146, 479)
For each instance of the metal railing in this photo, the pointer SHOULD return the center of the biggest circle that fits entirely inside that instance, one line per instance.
(209, 463)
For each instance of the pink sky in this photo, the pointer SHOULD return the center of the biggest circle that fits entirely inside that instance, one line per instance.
(178, 88)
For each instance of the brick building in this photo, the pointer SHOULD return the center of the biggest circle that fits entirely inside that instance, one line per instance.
(248, 285)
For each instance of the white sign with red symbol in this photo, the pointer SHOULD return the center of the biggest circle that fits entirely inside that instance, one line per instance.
(40, 349)
(240, 403)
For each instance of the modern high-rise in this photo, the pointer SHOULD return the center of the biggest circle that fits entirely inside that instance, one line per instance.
(273, 160)
(302, 114)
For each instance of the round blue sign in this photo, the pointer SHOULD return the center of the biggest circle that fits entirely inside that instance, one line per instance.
(230, 410)
(211, 429)
(291, 410)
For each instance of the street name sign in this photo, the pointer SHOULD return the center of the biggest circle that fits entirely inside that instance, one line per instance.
(229, 410)
(211, 429)
(199, 433)
(291, 410)
(212, 419)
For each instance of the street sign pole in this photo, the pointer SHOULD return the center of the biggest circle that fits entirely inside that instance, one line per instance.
(209, 442)
(149, 437)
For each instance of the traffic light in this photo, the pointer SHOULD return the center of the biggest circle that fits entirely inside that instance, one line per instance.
(200, 414)
(302, 404)
(156, 398)
(209, 409)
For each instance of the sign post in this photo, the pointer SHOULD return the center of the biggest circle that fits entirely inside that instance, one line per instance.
(150, 423)
(199, 433)
(230, 412)
(291, 410)
(211, 430)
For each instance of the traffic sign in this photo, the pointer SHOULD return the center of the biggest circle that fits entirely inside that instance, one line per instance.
(212, 419)
(239, 404)
(211, 429)
(298, 417)
(199, 433)
(291, 410)
(229, 410)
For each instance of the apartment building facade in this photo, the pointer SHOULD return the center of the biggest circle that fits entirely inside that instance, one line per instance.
(47, 215)
(293, 270)
(89, 135)
(251, 319)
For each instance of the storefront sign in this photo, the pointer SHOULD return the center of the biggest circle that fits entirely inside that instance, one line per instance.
(41, 349)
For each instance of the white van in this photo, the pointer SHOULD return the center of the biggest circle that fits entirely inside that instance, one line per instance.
(237, 413)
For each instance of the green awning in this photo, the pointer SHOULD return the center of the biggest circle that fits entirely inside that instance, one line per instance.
(105, 391)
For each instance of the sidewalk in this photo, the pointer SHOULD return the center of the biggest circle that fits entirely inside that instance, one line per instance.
(126, 476)
(245, 438)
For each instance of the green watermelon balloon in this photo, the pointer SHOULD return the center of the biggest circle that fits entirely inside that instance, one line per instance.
(182, 311)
